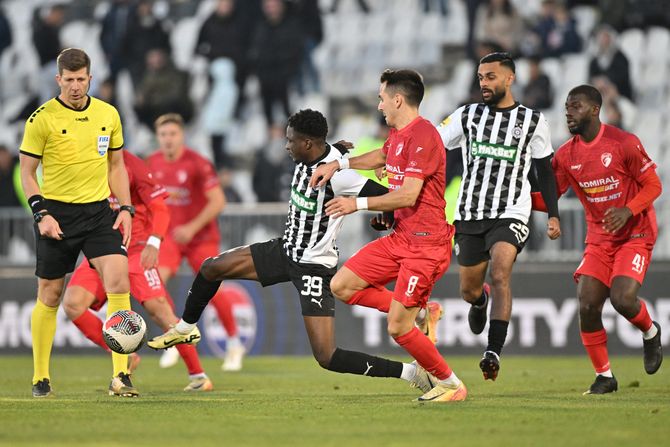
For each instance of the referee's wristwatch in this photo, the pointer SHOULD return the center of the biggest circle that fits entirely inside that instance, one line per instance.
(129, 208)
(38, 216)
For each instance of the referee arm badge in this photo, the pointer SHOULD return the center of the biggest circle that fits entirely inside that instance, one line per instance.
(103, 144)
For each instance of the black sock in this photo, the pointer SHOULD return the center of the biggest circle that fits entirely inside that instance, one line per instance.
(497, 335)
(481, 300)
(198, 297)
(363, 364)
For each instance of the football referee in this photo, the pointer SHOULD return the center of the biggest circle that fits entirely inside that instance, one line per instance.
(78, 139)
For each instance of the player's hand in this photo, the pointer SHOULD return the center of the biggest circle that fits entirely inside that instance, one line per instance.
(616, 218)
(125, 221)
(344, 144)
(183, 234)
(381, 172)
(49, 227)
(149, 257)
(341, 206)
(382, 221)
(323, 173)
(553, 228)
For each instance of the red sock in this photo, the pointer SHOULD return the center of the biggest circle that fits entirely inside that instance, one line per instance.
(224, 309)
(191, 358)
(91, 326)
(642, 320)
(377, 298)
(596, 347)
(424, 351)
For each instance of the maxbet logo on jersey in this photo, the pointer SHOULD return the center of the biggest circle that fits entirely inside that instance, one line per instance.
(302, 202)
(490, 150)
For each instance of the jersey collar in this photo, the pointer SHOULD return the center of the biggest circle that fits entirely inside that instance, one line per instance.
(325, 154)
(88, 103)
(595, 140)
(505, 109)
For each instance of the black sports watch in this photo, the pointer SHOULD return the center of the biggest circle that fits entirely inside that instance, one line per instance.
(38, 216)
(129, 208)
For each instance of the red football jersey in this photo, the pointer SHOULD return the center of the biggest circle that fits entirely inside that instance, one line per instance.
(186, 179)
(417, 151)
(143, 189)
(606, 173)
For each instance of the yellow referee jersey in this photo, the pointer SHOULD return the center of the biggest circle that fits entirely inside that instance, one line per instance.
(73, 146)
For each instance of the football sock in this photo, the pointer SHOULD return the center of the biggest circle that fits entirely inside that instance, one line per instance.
(91, 326)
(363, 364)
(191, 358)
(497, 335)
(424, 351)
(183, 327)
(642, 320)
(408, 371)
(233, 342)
(224, 309)
(596, 347)
(452, 381)
(198, 297)
(482, 300)
(116, 302)
(607, 373)
(377, 298)
(197, 376)
(43, 330)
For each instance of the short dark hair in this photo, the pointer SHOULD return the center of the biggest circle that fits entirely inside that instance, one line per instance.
(591, 93)
(504, 58)
(173, 118)
(309, 122)
(73, 59)
(408, 83)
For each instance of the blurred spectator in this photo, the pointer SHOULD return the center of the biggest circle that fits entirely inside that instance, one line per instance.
(226, 34)
(441, 5)
(557, 31)
(610, 61)
(616, 110)
(145, 32)
(361, 4)
(276, 52)
(312, 25)
(107, 92)
(613, 13)
(226, 179)
(471, 8)
(500, 22)
(112, 34)
(5, 32)
(538, 92)
(10, 189)
(164, 89)
(219, 109)
(273, 170)
(47, 23)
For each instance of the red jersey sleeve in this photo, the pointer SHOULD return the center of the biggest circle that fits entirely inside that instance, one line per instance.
(636, 158)
(423, 157)
(207, 178)
(143, 185)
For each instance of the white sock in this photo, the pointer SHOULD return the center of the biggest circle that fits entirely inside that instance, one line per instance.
(451, 382)
(184, 328)
(201, 375)
(233, 342)
(422, 314)
(607, 373)
(651, 333)
(408, 371)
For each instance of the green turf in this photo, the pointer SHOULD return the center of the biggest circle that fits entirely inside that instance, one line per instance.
(290, 401)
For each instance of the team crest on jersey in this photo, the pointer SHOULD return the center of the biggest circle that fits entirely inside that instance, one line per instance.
(606, 158)
(398, 148)
(103, 144)
(182, 176)
(517, 132)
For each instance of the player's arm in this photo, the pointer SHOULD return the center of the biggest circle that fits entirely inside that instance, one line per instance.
(451, 130)
(160, 221)
(119, 184)
(548, 190)
(370, 160)
(616, 218)
(403, 197)
(48, 225)
(216, 201)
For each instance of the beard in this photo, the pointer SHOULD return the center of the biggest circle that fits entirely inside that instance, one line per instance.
(495, 98)
(577, 128)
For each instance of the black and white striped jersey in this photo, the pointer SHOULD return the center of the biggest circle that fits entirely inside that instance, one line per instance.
(310, 234)
(497, 146)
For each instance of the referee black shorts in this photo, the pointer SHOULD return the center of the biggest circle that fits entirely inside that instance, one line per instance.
(474, 239)
(312, 281)
(87, 227)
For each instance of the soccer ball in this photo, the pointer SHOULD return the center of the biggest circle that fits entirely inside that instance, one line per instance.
(124, 331)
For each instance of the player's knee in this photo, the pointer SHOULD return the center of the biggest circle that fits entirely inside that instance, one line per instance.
(209, 269)
(469, 293)
(621, 301)
(499, 278)
(397, 328)
(340, 289)
(73, 308)
(588, 310)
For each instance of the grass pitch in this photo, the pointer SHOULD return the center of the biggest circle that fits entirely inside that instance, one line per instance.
(290, 401)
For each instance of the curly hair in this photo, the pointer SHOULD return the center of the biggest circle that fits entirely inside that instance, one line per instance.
(309, 122)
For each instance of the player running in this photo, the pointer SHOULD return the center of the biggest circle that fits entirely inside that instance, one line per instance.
(616, 182)
(85, 289)
(306, 256)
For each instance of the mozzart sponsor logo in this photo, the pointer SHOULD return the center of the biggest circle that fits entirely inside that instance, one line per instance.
(531, 317)
(497, 151)
(302, 202)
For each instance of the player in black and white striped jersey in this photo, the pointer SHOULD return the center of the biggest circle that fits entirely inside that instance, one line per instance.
(498, 139)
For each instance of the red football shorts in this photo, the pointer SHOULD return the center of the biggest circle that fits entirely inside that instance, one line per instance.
(415, 269)
(172, 253)
(145, 285)
(605, 261)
